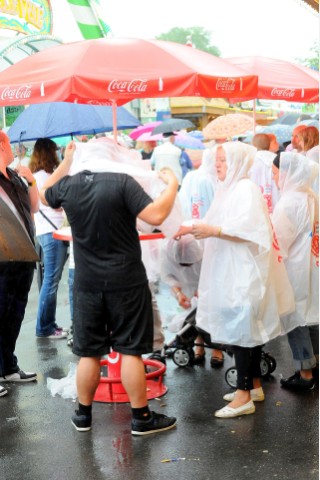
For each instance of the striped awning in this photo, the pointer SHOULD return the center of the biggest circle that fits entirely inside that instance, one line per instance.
(313, 4)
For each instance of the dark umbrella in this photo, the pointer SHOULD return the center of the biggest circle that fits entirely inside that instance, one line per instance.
(15, 244)
(172, 125)
(57, 119)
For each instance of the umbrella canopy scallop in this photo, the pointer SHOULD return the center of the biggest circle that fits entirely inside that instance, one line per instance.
(227, 126)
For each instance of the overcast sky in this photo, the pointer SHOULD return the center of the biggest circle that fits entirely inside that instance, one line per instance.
(284, 29)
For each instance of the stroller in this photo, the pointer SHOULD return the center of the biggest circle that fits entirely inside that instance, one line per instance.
(180, 349)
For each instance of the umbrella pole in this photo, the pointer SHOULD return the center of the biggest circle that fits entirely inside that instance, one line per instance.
(4, 124)
(114, 120)
(254, 116)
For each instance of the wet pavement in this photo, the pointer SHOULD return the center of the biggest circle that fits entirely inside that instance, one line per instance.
(38, 442)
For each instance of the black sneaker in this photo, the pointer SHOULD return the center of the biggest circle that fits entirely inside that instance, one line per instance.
(82, 423)
(296, 382)
(156, 423)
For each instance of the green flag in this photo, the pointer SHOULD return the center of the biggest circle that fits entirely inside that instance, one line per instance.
(89, 18)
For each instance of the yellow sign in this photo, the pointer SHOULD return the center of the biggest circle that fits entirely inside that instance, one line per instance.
(26, 16)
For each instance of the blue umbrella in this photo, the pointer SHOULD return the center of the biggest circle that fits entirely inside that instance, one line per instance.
(188, 141)
(281, 131)
(59, 119)
(197, 134)
(309, 123)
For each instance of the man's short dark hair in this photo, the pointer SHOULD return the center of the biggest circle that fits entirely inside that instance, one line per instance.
(168, 134)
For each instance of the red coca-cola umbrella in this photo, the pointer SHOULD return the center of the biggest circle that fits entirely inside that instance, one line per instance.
(117, 70)
(280, 80)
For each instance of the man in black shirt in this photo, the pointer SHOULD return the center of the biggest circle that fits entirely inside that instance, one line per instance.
(15, 277)
(112, 301)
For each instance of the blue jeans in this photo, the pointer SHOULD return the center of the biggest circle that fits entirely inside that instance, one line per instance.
(301, 347)
(70, 283)
(54, 258)
(15, 282)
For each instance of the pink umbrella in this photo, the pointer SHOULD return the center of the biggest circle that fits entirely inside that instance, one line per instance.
(147, 127)
(148, 137)
(227, 126)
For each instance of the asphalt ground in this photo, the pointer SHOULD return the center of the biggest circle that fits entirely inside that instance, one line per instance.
(38, 442)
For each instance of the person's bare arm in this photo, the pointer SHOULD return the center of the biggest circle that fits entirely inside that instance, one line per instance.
(183, 230)
(157, 211)
(26, 173)
(60, 172)
(182, 299)
(202, 230)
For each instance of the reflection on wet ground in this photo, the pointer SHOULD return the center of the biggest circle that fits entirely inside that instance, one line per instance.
(38, 441)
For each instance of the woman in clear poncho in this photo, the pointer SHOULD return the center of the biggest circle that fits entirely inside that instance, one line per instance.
(196, 195)
(240, 296)
(296, 223)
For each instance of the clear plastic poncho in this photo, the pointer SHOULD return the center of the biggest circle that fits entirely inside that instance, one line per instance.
(296, 224)
(243, 290)
(261, 174)
(197, 189)
(180, 264)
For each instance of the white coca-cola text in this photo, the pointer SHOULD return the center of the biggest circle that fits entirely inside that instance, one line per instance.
(226, 84)
(134, 86)
(283, 92)
(19, 93)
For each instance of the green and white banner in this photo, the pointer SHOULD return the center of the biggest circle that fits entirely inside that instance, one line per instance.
(89, 17)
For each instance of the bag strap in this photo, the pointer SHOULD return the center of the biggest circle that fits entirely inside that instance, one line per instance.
(48, 219)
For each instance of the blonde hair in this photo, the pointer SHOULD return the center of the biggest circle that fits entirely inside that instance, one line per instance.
(309, 137)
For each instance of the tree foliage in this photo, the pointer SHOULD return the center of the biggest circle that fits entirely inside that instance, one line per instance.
(313, 60)
(199, 36)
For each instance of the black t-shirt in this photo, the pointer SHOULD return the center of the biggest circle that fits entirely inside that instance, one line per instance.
(102, 210)
(17, 191)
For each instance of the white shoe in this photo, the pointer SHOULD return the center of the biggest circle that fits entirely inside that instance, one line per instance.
(19, 376)
(3, 391)
(257, 395)
(228, 412)
(56, 335)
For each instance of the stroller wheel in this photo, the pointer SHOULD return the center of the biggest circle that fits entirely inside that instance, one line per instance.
(182, 357)
(231, 376)
(265, 367)
(271, 362)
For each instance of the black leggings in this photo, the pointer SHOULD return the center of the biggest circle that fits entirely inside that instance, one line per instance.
(247, 365)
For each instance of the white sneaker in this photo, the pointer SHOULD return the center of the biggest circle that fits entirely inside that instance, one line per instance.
(62, 329)
(257, 395)
(57, 335)
(3, 391)
(19, 377)
(228, 412)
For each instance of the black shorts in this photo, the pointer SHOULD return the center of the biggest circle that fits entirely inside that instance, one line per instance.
(120, 319)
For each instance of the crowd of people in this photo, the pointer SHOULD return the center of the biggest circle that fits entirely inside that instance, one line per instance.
(245, 249)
